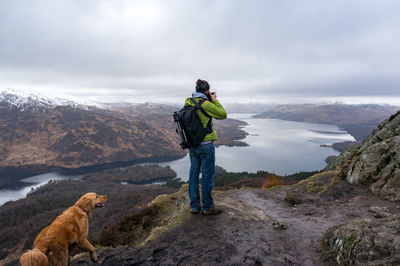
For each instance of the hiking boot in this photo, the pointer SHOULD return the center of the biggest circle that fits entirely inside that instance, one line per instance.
(212, 211)
(195, 211)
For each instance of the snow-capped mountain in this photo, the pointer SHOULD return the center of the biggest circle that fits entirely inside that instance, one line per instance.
(43, 134)
(29, 100)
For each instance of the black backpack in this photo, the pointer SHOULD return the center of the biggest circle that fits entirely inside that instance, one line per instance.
(189, 127)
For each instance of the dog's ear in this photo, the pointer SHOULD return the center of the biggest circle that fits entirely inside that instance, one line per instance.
(86, 205)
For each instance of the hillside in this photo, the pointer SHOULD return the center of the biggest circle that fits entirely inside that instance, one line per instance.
(64, 137)
(22, 220)
(39, 134)
(358, 120)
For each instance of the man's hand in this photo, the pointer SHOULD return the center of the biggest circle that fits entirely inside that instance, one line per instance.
(213, 95)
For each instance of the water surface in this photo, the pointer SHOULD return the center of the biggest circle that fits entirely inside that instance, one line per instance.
(278, 146)
(25, 185)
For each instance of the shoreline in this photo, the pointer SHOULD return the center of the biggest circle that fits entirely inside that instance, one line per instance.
(10, 175)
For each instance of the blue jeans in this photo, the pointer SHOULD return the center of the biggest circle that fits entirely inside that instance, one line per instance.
(201, 156)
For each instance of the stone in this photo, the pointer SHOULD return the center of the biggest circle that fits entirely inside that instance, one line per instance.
(376, 161)
(364, 242)
(380, 212)
(279, 226)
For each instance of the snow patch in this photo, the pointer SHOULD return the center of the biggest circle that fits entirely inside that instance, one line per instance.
(24, 99)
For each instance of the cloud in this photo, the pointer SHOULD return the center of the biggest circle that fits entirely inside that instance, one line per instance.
(260, 50)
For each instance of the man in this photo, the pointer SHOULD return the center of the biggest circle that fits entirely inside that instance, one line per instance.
(203, 156)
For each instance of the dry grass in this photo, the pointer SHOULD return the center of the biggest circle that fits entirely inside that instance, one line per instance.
(312, 187)
(292, 199)
(315, 177)
(272, 181)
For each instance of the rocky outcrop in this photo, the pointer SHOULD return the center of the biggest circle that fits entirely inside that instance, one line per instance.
(376, 161)
(340, 160)
(375, 164)
(365, 241)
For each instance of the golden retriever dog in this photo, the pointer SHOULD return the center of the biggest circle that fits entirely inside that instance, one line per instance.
(51, 244)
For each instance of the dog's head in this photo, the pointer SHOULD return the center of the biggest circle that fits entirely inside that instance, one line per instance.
(89, 201)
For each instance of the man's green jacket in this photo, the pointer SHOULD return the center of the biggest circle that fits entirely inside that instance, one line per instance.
(214, 109)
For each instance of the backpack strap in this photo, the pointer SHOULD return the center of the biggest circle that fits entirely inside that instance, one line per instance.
(202, 101)
(198, 106)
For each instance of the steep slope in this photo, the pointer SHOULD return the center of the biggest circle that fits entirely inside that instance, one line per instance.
(376, 161)
(374, 164)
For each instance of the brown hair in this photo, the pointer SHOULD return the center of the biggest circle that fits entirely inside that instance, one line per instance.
(202, 86)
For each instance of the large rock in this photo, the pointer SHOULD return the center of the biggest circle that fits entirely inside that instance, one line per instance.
(376, 161)
(365, 241)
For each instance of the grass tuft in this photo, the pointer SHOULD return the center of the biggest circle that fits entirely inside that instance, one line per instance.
(272, 181)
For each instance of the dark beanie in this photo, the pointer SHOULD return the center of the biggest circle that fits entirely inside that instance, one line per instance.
(202, 86)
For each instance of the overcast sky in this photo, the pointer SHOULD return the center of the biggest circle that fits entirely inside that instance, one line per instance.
(267, 51)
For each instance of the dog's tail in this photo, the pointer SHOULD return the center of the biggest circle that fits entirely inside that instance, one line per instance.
(34, 257)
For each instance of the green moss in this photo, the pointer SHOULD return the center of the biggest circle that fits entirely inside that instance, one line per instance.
(342, 249)
(349, 245)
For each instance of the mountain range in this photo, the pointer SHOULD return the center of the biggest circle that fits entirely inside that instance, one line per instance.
(42, 134)
(358, 120)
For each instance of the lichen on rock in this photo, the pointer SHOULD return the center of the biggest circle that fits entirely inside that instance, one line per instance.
(376, 161)
(364, 241)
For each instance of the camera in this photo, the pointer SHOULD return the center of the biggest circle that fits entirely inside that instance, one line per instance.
(209, 95)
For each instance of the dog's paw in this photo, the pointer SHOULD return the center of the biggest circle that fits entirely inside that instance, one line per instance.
(94, 258)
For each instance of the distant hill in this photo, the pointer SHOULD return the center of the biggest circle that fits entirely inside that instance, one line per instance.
(41, 134)
(358, 120)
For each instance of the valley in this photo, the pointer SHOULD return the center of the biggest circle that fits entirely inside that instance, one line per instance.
(40, 136)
